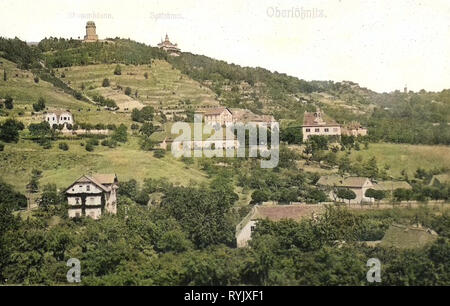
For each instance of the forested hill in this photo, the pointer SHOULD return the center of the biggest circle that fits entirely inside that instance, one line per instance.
(413, 117)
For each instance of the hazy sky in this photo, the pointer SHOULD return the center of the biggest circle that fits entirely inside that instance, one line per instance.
(380, 44)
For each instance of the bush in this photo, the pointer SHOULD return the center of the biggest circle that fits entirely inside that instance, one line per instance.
(109, 143)
(159, 153)
(36, 79)
(63, 146)
(105, 82)
(118, 70)
(89, 147)
(9, 102)
(46, 144)
(93, 141)
(2, 146)
(128, 91)
(39, 105)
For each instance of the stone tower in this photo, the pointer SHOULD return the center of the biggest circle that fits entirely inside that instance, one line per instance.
(91, 35)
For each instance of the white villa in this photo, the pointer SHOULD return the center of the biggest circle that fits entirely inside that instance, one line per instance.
(59, 117)
(93, 195)
(314, 124)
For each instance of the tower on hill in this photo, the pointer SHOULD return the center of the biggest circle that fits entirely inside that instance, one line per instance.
(169, 47)
(91, 35)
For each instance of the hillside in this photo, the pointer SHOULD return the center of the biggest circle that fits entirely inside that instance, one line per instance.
(157, 84)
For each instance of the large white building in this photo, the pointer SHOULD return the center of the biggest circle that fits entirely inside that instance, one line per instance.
(59, 117)
(314, 124)
(92, 195)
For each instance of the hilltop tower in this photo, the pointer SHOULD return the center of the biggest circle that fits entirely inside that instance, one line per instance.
(91, 35)
(169, 47)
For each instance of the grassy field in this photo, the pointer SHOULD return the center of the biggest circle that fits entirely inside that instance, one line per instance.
(404, 156)
(63, 167)
(165, 86)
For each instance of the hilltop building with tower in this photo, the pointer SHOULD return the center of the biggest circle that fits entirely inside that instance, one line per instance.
(171, 48)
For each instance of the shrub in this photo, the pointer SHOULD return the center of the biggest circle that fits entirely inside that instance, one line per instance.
(105, 82)
(47, 144)
(39, 105)
(36, 79)
(89, 147)
(118, 70)
(93, 142)
(128, 91)
(63, 146)
(9, 102)
(2, 146)
(159, 153)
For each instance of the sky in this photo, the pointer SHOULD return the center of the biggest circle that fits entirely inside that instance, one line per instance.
(380, 44)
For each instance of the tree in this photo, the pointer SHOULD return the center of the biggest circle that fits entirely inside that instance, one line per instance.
(347, 194)
(11, 198)
(378, 195)
(9, 130)
(317, 195)
(40, 105)
(259, 196)
(118, 70)
(128, 91)
(9, 102)
(41, 131)
(120, 134)
(2, 146)
(202, 213)
(344, 165)
(371, 168)
(33, 185)
(147, 129)
(50, 196)
(5, 77)
(402, 194)
(292, 135)
(129, 189)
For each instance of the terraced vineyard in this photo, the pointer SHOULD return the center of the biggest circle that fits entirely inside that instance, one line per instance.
(164, 86)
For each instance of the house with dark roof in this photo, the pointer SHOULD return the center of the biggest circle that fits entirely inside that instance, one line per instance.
(359, 185)
(316, 124)
(217, 116)
(93, 195)
(294, 212)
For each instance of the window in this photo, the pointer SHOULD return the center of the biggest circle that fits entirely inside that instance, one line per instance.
(327, 130)
(308, 130)
(88, 188)
(252, 228)
(77, 201)
(317, 130)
